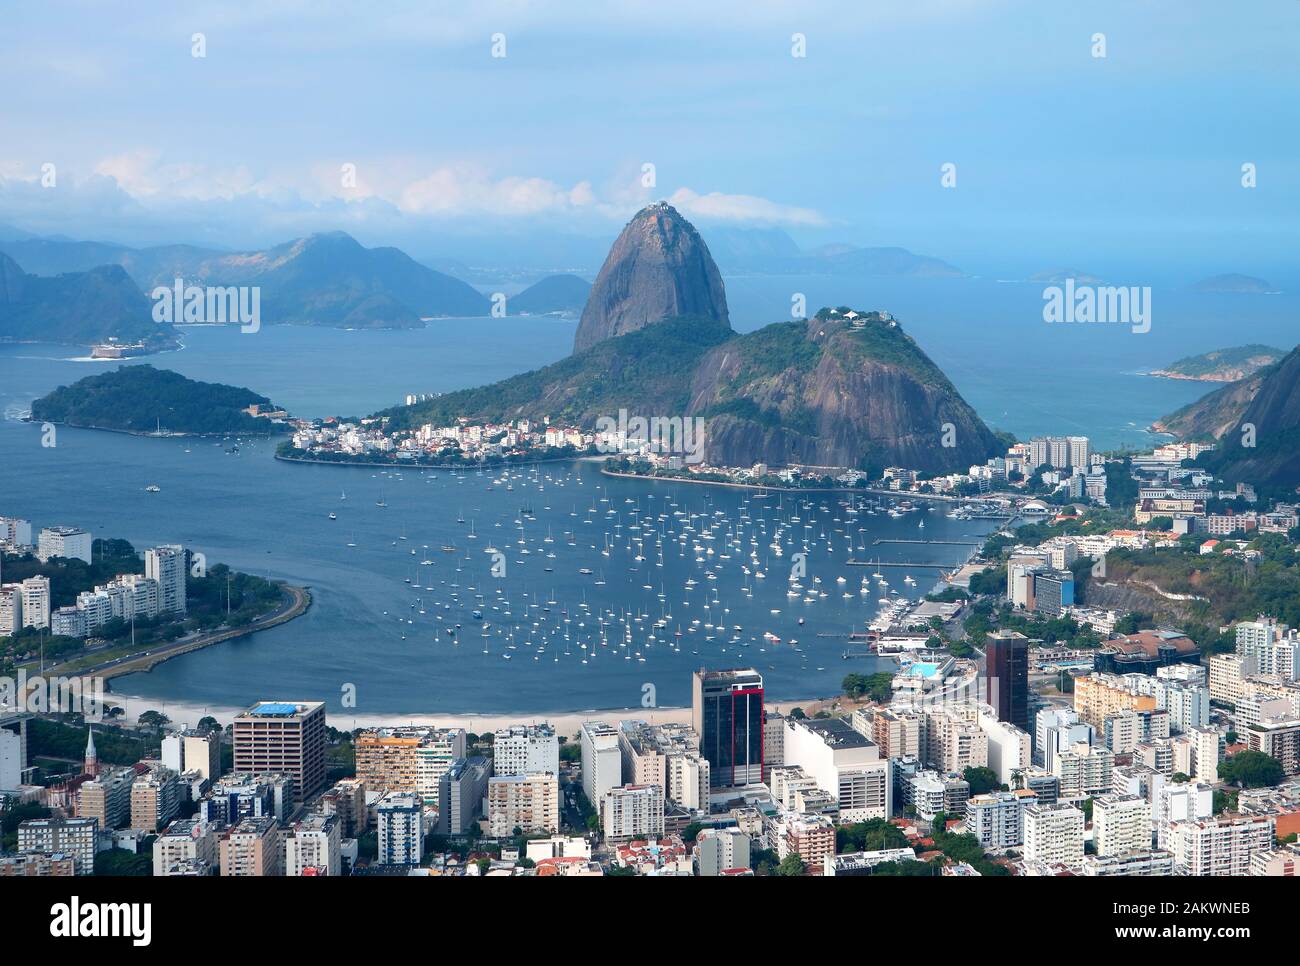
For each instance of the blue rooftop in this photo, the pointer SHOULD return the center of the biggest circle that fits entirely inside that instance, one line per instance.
(275, 709)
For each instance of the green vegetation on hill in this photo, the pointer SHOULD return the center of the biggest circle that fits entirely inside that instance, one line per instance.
(140, 399)
(647, 372)
(1226, 365)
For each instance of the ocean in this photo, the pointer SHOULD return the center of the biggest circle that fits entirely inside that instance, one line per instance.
(366, 635)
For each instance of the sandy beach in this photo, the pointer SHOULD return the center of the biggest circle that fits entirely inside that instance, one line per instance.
(566, 723)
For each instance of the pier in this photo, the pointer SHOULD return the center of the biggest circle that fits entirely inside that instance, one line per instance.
(932, 543)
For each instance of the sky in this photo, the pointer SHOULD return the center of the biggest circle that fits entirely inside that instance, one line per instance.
(1122, 164)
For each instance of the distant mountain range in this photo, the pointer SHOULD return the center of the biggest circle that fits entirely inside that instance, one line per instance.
(841, 389)
(771, 251)
(80, 307)
(554, 294)
(325, 279)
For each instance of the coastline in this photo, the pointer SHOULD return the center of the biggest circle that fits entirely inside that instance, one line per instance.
(155, 435)
(566, 723)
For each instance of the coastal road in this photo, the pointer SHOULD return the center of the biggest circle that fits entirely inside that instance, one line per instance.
(294, 602)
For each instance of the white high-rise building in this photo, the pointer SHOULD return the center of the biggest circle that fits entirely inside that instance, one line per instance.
(15, 533)
(72, 543)
(633, 812)
(1270, 647)
(313, 846)
(11, 608)
(1220, 846)
(525, 749)
(166, 566)
(1180, 802)
(36, 601)
(401, 829)
(602, 761)
(1054, 834)
(1121, 824)
(844, 764)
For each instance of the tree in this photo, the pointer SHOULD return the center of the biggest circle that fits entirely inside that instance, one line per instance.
(981, 780)
(792, 864)
(1251, 769)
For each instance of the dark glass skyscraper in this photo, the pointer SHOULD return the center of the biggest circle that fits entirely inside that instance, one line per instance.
(1006, 672)
(727, 714)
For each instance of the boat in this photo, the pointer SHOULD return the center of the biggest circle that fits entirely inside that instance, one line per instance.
(334, 516)
(153, 488)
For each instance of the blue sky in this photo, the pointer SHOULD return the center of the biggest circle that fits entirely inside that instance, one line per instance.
(1125, 164)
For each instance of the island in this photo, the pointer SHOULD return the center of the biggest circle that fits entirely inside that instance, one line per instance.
(142, 400)
(1234, 284)
(1223, 365)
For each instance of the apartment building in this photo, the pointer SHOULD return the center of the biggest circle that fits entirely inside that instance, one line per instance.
(997, 819)
(182, 844)
(1121, 824)
(1053, 834)
(602, 760)
(632, 812)
(844, 764)
(525, 749)
(251, 848)
(1223, 845)
(529, 803)
(69, 836)
(400, 819)
(313, 846)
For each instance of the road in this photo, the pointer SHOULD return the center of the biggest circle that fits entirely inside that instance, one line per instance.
(294, 602)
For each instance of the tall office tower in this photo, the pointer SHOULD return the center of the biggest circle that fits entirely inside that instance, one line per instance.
(602, 761)
(1007, 677)
(283, 736)
(727, 714)
(166, 565)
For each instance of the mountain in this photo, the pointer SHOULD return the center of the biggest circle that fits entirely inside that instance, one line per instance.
(1234, 284)
(752, 249)
(842, 389)
(324, 279)
(78, 308)
(882, 262)
(658, 268)
(647, 372)
(331, 279)
(566, 294)
(1263, 447)
(1213, 414)
(140, 399)
(1223, 365)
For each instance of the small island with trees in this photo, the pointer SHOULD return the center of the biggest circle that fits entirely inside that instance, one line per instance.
(142, 400)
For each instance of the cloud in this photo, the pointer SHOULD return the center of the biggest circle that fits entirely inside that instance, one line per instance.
(149, 196)
(743, 209)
